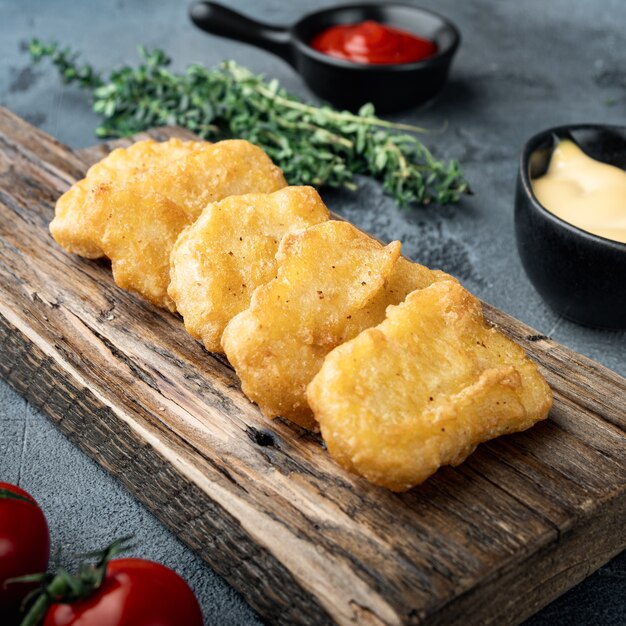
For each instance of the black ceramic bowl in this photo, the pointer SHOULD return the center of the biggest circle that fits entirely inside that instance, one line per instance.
(582, 276)
(343, 83)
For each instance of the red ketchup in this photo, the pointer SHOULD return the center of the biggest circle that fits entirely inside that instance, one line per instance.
(374, 43)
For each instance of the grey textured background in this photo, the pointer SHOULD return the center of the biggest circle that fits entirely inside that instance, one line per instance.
(522, 67)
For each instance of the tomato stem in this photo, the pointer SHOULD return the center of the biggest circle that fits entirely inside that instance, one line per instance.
(11, 495)
(37, 611)
(64, 587)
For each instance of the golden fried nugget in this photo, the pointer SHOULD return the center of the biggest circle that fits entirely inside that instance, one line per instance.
(213, 172)
(71, 227)
(333, 281)
(423, 389)
(229, 251)
(139, 249)
(109, 212)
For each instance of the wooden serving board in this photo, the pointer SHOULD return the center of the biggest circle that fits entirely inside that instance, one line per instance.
(491, 542)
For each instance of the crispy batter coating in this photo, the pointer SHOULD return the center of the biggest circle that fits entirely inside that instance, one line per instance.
(423, 389)
(230, 250)
(112, 211)
(333, 281)
(138, 248)
(72, 227)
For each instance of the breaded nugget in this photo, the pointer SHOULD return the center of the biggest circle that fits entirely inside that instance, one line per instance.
(333, 281)
(423, 389)
(71, 227)
(112, 212)
(230, 250)
(139, 248)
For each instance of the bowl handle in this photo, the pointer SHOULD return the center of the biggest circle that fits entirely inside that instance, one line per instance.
(220, 20)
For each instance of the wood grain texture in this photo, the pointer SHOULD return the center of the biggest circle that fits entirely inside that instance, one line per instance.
(491, 542)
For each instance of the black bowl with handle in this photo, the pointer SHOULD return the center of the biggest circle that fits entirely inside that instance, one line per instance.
(580, 275)
(346, 84)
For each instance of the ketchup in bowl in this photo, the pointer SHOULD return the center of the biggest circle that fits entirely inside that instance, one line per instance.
(372, 43)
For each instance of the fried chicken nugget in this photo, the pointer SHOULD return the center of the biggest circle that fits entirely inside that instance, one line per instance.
(333, 281)
(132, 207)
(71, 226)
(230, 250)
(139, 249)
(423, 389)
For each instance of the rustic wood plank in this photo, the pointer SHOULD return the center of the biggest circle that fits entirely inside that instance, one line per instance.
(490, 542)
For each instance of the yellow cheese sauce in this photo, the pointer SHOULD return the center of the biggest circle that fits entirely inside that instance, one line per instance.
(584, 192)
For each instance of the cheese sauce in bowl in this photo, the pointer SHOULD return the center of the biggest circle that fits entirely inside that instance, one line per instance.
(570, 221)
(584, 192)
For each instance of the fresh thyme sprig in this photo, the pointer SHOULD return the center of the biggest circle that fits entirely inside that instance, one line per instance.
(314, 145)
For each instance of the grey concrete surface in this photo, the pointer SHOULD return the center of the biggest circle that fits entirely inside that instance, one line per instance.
(522, 67)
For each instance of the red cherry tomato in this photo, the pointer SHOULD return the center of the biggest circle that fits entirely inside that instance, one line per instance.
(24, 545)
(134, 592)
